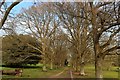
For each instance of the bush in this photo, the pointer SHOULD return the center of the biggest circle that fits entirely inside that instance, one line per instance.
(17, 52)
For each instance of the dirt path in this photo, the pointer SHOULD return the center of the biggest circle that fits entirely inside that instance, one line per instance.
(55, 76)
(66, 73)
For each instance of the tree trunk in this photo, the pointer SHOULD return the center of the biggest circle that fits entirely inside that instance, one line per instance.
(98, 68)
(44, 66)
(44, 57)
(98, 63)
(82, 64)
(73, 65)
(56, 65)
(97, 49)
(82, 70)
(76, 66)
(51, 65)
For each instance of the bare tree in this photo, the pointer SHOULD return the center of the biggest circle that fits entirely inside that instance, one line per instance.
(102, 18)
(42, 24)
(105, 18)
(58, 49)
(77, 29)
(87, 25)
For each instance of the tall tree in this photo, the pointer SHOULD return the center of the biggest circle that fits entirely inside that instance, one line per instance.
(105, 18)
(42, 24)
(96, 14)
(77, 29)
(58, 49)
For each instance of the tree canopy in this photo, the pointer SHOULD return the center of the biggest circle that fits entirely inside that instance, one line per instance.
(17, 52)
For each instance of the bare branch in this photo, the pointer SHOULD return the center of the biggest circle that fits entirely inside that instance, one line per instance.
(7, 12)
(101, 5)
(1, 3)
(34, 47)
(110, 38)
(111, 49)
(111, 25)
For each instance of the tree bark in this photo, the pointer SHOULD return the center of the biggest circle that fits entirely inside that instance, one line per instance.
(44, 58)
(82, 65)
(76, 66)
(98, 68)
(51, 65)
(44, 66)
(98, 62)
(82, 72)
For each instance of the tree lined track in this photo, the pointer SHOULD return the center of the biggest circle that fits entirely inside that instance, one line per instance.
(74, 34)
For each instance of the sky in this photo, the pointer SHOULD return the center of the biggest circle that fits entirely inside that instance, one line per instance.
(18, 9)
(26, 4)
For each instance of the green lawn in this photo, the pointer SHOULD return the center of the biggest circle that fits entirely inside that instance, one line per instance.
(33, 72)
(38, 73)
(90, 71)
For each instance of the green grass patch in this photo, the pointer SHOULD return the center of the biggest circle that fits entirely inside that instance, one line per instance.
(90, 71)
(33, 72)
(38, 73)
